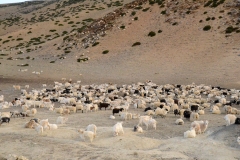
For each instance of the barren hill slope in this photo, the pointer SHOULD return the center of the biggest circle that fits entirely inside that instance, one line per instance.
(177, 51)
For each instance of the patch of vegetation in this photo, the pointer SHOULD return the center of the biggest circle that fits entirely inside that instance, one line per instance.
(23, 65)
(136, 44)
(163, 12)
(160, 31)
(5, 41)
(205, 12)
(19, 39)
(27, 57)
(94, 44)
(3, 54)
(135, 18)
(133, 13)
(29, 32)
(146, 9)
(231, 29)
(9, 36)
(151, 34)
(60, 25)
(52, 30)
(82, 59)
(200, 21)
(213, 18)
(188, 12)
(71, 22)
(138, 7)
(206, 28)
(52, 62)
(67, 51)
(122, 27)
(105, 52)
(208, 18)
(175, 23)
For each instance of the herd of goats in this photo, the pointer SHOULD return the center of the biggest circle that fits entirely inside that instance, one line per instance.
(187, 102)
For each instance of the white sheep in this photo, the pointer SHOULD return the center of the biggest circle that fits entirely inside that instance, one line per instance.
(150, 112)
(86, 134)
(137, 128)
(200, 126)
(135, 116)
(53, 126)
(117, 129)
(38, 128)
(112, 117)
(44, 123)
(58, 110)
(92, 127)
(161, 111)
(216, 111)
(61, 120)
(152, 123)
(190, 133)
(194, 116)
(201, 112)
(238, 140)
(179, 121)
(230, 119)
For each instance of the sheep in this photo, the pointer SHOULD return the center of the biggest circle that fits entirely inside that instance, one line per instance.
(92, 127)
(117, 129)
(238, 140)
(103, 105)
(230, 119)
(187, 114)
(153, 123)
(216, 111)
(17, 87)
(38, 128)
(137, 128)
(61, 120)
(86, 134)
(33, 111)
(44, 123)
(179, 121)
(162, 112)
(143, 118)
(53, 126)
(79, 106)
(112, 117)
(194, 107)
(176, 112)
(200, 126)
(30, 124)
(5, 114)
(4, 120)
(135, 116)
(58, 110)
(25, 108)
(190, 133)
(148, 108)
(194, 116)
(15, 113)
(1, 98)
(116, 110)
(149, 112)
(66, 111)
(237, 121)
(201, 112)
(174, 107)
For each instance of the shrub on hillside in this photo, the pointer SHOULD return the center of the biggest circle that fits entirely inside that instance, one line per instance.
(206, 28)
(136, 44)
(151, 34)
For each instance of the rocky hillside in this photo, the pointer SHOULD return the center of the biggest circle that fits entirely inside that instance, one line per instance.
(167, 41)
